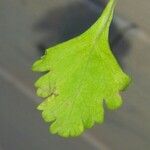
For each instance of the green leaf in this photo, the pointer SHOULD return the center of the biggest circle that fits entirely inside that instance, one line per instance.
(81, 74)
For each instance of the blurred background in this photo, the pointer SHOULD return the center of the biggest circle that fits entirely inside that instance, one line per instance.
(27, 27)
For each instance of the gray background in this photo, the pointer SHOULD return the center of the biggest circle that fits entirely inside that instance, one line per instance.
(136, 11)
(27, 27)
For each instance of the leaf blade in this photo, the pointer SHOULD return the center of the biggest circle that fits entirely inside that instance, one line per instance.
(82, 73)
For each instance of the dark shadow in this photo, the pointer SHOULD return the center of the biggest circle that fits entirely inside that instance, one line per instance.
(69, 21)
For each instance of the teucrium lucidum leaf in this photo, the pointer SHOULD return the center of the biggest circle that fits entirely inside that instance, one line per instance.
(81, 74)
